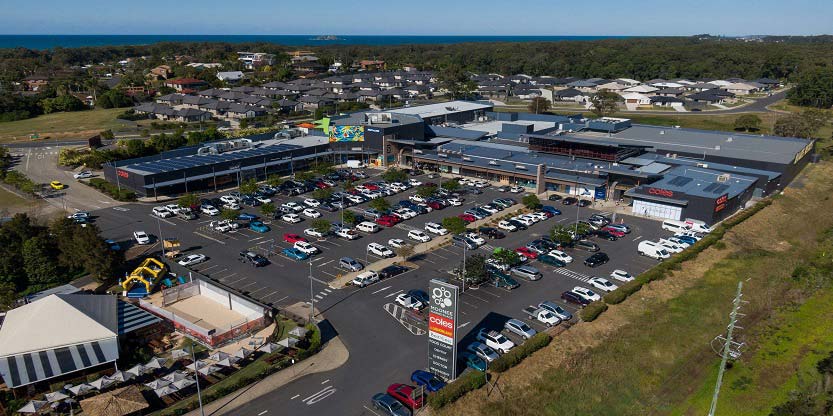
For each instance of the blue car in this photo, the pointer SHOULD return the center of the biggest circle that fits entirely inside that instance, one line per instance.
(473, 361)
(551, 210)
(687, 239)
(246, 216)
(295, 254)
(429, 380)
(258, 227)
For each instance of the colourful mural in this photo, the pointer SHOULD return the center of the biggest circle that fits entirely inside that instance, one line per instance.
(346, 134)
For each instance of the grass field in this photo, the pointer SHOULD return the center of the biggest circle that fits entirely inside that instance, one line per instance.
(650, 355)
(12, 203)
(78, 124)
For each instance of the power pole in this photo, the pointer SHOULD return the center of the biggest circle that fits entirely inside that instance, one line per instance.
(730, 349)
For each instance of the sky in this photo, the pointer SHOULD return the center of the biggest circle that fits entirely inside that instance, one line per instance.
(425, 17)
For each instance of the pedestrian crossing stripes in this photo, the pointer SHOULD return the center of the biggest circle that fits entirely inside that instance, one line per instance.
(575, 275)
(405, 227)
(488, 247)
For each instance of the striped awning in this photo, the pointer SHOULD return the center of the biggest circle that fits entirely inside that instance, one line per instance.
(22, 369)
(131, 318)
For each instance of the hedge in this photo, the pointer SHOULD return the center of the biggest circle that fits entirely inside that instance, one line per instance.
(592, 311)
(112, 190)
(21, 182)
(618, 295)
(517, 354)
(469, 381)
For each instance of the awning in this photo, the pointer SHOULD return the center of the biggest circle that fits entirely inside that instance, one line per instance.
(132, 318)
(28, 368)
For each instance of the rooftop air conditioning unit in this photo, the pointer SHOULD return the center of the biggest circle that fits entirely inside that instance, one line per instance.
(417, 151)
(467, 159)
(493, 163)
(703, 165)
(723, 178)
(729, 140)
(520, 167)
(443, 155)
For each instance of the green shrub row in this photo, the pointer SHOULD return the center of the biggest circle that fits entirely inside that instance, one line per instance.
(108, 188)
(469, 381)
(593, 310)
(21, 182)
(664, 269)
(517, 354)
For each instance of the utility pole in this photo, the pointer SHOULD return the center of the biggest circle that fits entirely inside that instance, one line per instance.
(197, 378)
(727, 351)
(311, 296)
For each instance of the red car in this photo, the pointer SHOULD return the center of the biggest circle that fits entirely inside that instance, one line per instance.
(614, 232)
(293, 238)
(436, 205)
(392, 218)
(526, 252)
(371, 186)
(385, 221)
(402, 393)
(321, 185)
(467, 217)
(546, 213)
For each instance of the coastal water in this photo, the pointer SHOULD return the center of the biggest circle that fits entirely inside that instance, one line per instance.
(75, 41)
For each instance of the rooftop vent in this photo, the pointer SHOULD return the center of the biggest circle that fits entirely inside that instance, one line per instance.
(467, 159)
(723, 178)
(729, 140)
(662, 132)
(443, 155)
(520, 167)
(493, 163)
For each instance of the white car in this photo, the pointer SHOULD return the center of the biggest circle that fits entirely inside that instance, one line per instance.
(380, 250)
(291, 218)
(435, 228)
(414, 182)
(586, 293)
(405, 213)
(192, 259)
(263, 199)
(312, 233)
(84, 174)
(366, 278)
(162, 212)
(506, 225)
(396, 243)
(524, 220)
(311, 202)
(480, 184)
(669, 246)
(141, 237)
(232, 224)
(174, 208)
(311, 213)
(418, 235)
(497, 264)
(560, 255)
(347, 233)
(209, 210)
(621, 275)
(354, 199)
(489, 209)
(679, 242)
(475, 238)
(305, 247)
(228, 199)
(231, 205)
(416, 198)
(455, 202)
(539, 215)
(409, 302)
(602, 284)
(220, 226)
(293, 206)
(516, 189)
(495, 340)
(520, 328)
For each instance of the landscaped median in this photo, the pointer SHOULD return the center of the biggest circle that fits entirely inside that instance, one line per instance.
(664, 269)
(111, 189)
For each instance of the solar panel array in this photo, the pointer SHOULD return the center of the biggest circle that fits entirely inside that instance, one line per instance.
(680, 181)
(192, 161)
(716, 188)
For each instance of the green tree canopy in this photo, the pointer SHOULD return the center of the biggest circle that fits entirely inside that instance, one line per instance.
(475, 269)
(115, 98)
(379, 204)
(274, 180)
(321, 225)
(40, 270)
(507, 256)
(748, 122)
(561, 234)
(813, 88)
(268, 209)
(394, 175)
(531, 201)
(451, 185)
(454, 225)
(454, 79)
(426, 191)
(188, 200)
(605, 103)
(539, 105)
(304, 176)
(804, 124)
(322, 193)
(249, 186)
(228, 214)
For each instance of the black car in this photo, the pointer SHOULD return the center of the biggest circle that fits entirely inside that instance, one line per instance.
(391, 271)
(491, 232)
(571, 297)
(554, 197)
(605, 234)
(597, 259)
(586, 245)
(327, 207)
(569, 200)
(419, 295)
(253, 258)
(519, 225)
(503, 188)
(584, 203)
(475, 191)
(250, 201)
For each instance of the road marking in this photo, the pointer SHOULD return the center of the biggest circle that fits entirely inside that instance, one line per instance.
(328, 290)
(394, 293)
(464, 324)
(324, 264)
(380, 290)
(122, 209)
(281, 299)
(319, 297)
(247, 285)
(210, 238)
(226, 277)
(258, 290)
(236, 281)
(270, 294)
(208, 268)
(263, 413)
(637, 238)
(295, 397)
(162, 219)
(473, 306)
(325, 381)
(320, 395)
(255, 239)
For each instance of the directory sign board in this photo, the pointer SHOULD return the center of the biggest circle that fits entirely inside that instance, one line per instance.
(442, 329)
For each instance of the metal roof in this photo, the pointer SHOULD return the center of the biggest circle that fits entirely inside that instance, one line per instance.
(441, 109)
(699, 182)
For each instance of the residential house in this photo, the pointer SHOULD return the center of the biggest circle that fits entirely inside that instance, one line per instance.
(664, 101)
(231, 77)
(613, 86)
(741, 88)
(571, 94)
(161, 72)
(627, 81)
(186, 85)
(204, 65)
(713, 96)
(371, 65)
(633, 100)
(641, 89)
(583, 85)
(36, 82)
(252, 60)
(768, 83)
(669, 92)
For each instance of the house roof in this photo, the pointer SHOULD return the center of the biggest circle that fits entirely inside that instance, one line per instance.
(185, 81)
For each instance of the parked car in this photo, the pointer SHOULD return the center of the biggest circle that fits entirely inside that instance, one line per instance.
(431, 382)
(258, 227)
(572, 297)
(506, 225)
(306, 248)
(602, 284)
(483, 351)
(491, 232)
(586, 246)
(253, 258)
(495, 340)
(388, 405)
(397, 243)
(192, 259)
(293, 238)
(295, 254)
(409, 302)
(520, 328)
(313, 233)
(596, 259)
(607, 235)
(365, 278)
(405, 395)
(621, 275)
(394, 270)
(473, 361)
(141, 237)
(380, 250)
(551, 260)
(435, 228)
(209, 210)
(557, 310)
(418, 235)
(349, 263)
(566, 258)
(84, 174)
(587, 293)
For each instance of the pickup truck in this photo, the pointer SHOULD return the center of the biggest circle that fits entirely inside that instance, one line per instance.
(542, 315)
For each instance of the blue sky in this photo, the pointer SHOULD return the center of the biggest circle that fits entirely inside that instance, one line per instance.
(425, 17)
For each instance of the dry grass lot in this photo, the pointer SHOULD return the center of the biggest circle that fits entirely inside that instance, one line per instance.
(651, 354)
(74, 125)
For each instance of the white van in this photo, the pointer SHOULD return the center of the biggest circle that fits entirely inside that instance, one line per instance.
(675, 226)
(697, 225)
(652, 250)
(368, 227)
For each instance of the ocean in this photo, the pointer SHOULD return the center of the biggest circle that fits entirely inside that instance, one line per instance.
(40, 42)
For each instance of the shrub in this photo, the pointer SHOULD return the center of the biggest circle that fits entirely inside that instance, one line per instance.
(469, 381)
(592, 311)
(21, 182)
(517, 354)
(111, 189)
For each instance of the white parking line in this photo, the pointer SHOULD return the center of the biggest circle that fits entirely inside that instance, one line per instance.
(263, 413)
(210, 238)
(637, 238)
(464, 324)
(247, 285)
(270, 294)
(255, 239)
(209, 268)
(281, 299)
(324, 264)
(161, 219)
(380, 290)
(394, 293)
(328, 290)
(295, 397)
(258, 290)
(319, 297)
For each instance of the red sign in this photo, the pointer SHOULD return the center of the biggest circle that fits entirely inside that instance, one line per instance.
(661, 192)
(720, 203)
(122, 173)
(440, 325)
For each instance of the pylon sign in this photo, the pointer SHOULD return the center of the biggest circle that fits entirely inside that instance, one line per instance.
(442, 329)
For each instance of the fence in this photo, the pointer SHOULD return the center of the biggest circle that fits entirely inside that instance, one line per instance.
(179, 292)
(180, 324)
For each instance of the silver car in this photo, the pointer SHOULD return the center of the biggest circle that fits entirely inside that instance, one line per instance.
(519, 327)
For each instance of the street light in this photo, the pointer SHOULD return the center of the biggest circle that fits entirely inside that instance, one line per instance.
(311, 296)
(197, 378)
(161, 240)
(578, 207)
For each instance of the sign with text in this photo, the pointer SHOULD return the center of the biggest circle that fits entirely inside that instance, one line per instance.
(661, 192)
(720, 203)
(442, 329)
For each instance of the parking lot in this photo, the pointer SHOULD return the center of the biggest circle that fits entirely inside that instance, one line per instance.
(368, 319)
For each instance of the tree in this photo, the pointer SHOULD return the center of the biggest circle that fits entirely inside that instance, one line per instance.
(561, 234)
(107, 135)
(475, 269)
(322, 226)
(349, 217)
(304, 176)
(188, 200)
(268, 209)
(454, 79)
(322, 168)
(451, 185)
(507, 256)
(454, 225)
(274, 180)
(115, 98)
(37, 261)
(322, 193)
(97, 259)
(813, 88)
(580, 228)
(379, 204)
(228, 214)
(748, 122)
(803, 124)
(539, 105)
(394, 175)
(248, 186)
(531, 201)
(406, 251)
(605, 103)
(426, 191)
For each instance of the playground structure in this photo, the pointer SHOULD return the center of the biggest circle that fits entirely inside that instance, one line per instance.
(144, 278)
(171, 246)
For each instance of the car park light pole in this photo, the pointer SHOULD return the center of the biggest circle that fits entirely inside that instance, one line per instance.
(578, 208)
(311, 296)
(197, 378)
(161, 239)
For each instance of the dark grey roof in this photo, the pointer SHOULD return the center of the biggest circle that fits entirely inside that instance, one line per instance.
(693, 181)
